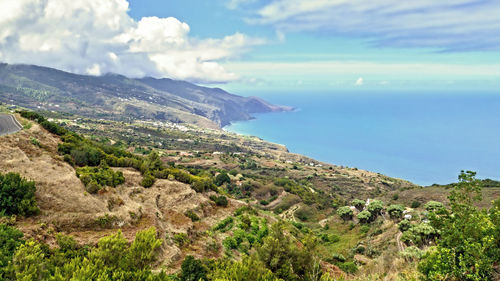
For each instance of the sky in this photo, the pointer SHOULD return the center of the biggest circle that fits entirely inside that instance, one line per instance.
(272, 45)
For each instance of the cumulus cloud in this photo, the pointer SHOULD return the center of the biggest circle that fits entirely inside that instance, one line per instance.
(454, 25)
(98, 36)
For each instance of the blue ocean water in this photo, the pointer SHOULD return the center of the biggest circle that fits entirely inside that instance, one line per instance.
(425, 138)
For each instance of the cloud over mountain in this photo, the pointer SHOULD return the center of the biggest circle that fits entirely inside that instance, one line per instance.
(98, 36)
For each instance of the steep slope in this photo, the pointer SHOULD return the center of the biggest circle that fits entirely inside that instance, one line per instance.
(120, 98)
(66, 207)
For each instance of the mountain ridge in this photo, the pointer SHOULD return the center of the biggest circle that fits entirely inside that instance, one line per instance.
(116, 97)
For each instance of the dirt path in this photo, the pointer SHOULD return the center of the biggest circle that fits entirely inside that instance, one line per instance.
(290, 213)
(401, 246)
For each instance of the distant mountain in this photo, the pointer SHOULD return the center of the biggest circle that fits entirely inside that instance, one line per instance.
(117, 97)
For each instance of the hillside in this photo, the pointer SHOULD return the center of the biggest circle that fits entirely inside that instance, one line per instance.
(116, 97)
(214, 196)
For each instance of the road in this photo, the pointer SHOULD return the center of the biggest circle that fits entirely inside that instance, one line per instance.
(9, 124)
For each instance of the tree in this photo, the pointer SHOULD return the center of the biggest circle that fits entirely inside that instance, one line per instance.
(375, 207)
(17, 195)
(345, 213)
(364, 217)
(395, 211)
(468, 246)
(359, 204)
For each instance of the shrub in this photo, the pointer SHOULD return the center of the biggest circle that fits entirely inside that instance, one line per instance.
(10, 239)
(345, 213)
(17, 195)
(193, 270)
(219, 200)
(395, 211)
(305, 213)
(181, 239)
(224, 225)
(412, 254)
(415, 204)
(395, 196)
(364, 217)
(433, 206)
(192, 215)
(148, 180)
(221, 179)
(348, 267)
(102, 175)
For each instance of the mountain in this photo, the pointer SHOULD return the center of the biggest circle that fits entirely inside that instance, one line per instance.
(117, 97)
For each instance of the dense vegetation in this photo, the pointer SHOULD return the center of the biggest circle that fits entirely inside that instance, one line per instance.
(17, 195)
(435, 241)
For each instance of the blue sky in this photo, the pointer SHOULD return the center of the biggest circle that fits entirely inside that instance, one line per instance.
(256, 45)
(302, 53)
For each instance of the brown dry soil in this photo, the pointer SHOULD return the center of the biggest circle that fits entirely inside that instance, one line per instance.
(67, 208)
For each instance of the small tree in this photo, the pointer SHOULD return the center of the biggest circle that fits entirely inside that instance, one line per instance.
(364, 217)
(359, 204)
(375, 208)
(395, 211)
(345, 213)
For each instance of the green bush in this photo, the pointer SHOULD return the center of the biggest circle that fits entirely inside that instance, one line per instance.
(412, 254)
(10, 239)
(219, 200)
(181, 239)
(345, 213)
(102, 175)
(224, 225)
(147, 180)
(221, 179)
(433, 206)
(193, 270)
(192, 215)
(17, 195)
(348, 267)
(415, 204)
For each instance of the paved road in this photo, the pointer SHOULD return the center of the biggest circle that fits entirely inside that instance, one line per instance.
(9, 124)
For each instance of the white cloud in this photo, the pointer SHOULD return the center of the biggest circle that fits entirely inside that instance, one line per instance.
(360, 81)
(98, 36)
(450, 25)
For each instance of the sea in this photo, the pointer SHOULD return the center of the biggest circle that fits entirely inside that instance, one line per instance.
(424, 137)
